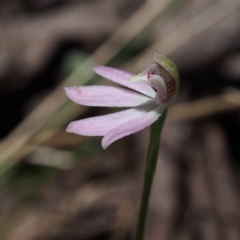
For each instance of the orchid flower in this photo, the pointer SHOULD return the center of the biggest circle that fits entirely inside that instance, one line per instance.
(146, 95)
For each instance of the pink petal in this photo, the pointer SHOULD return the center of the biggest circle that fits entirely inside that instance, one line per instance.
(132, 126)
(101, 125)
(123, 78)
(107, 96)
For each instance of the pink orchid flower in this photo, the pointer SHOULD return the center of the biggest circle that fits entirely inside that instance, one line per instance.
(147, 95)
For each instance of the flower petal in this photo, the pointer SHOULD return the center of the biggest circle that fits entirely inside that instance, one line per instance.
(158, 83)
(123, 78)
(132, 126)
(101, 125)
(107, 96)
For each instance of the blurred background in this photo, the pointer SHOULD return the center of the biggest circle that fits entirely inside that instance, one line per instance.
(60, 186)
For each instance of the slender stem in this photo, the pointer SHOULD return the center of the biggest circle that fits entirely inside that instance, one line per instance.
(151, 163)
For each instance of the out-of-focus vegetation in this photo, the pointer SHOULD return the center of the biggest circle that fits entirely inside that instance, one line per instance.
(56, 185)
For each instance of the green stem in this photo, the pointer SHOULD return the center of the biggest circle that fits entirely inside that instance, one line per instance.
(151, 163)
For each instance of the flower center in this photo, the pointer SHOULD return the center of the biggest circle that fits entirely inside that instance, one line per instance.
(160, 80)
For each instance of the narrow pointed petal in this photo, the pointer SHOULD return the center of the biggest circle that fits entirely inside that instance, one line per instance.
(132, 126)
(107, 96)
(101, 125)
(123, 78)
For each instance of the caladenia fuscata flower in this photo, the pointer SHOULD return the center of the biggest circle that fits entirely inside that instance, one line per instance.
(146, 96)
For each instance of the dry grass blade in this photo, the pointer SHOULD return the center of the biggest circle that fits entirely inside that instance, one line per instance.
(221, 178)
(182, 35)
(205, 107)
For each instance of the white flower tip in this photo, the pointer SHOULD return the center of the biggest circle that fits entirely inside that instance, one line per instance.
(68, 90)
(74, 93)
(104, 144)
(70, 127)
(65, 89)
(75, 127)
(99, 69)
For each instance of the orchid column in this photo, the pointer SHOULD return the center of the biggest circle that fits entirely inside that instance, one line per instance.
(147, 95)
